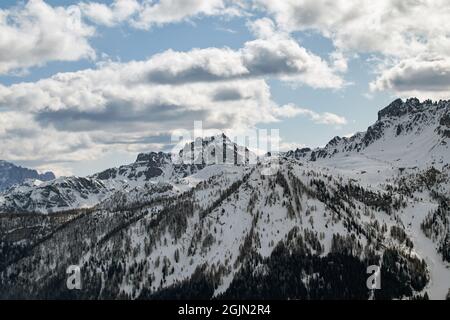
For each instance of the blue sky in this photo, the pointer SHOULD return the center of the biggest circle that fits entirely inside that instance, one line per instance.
(353, 99)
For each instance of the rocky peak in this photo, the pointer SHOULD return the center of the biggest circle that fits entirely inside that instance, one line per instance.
(395, 108)
(298, 153)
(154, 158)
(214, 149)
(399, 108)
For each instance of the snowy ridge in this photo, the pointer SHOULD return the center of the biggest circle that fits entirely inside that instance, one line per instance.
(406, 134)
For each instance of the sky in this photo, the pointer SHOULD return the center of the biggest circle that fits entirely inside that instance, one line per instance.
(85, 86)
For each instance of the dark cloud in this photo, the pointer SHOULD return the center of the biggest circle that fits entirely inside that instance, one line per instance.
(226, 94)
(424, 78)
(279, 56)
(191, 75)
(164, 138)
(429, 79)
(117, 115)
(268, 62)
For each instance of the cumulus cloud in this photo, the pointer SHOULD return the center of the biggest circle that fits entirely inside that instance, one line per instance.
(397, 31)
(35, 33)
(423, 78)
(263, 28)
(388, 26)
(22, 138)
(110, 15)
(277, 56)
(147, 14)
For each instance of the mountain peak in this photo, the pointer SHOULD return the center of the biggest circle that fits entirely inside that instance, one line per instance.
(213, 150)
(10, 174)
(398, 107)
(400, 126)
(395, 108)
(154, 157)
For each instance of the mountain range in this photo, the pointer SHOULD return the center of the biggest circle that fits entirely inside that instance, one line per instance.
(164, 227)
(11, 174)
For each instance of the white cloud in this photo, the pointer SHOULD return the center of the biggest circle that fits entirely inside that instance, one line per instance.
(327, 118)
(169, 11)
(283, 57)
(278, 56)
(22, 138)
(35, 33)
(398, 31)
(391, 27)
(263, 28)
(147, 14)
(339, 61)
(110, 15)
(421, 77)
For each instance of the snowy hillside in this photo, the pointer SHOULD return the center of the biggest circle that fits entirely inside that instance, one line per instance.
(406, 134)
(168, 228)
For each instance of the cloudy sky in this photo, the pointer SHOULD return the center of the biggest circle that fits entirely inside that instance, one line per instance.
(87, 85)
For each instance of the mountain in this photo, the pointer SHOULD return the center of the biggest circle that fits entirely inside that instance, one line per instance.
(407, 133)
(68, 193)
(166, 226)
(11, 174)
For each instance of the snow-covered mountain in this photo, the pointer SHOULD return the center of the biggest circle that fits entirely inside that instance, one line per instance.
(406, 134)
(11, 174)
(68, 193)
(168, 228)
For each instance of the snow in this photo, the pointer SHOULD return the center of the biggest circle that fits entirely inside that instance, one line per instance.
(374, 167)
(439, 270)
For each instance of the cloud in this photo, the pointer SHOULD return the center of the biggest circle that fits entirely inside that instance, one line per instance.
(110, 15)
(36, 33)
(147, 14)
(279, 56)
(396, 31)
(123, 95)
(420, 77)
(227, 94)
(390, 27)
(197, 65)
(263, 28)
(339, 61)
(21, 138)
(328, 118)
(283, 57)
